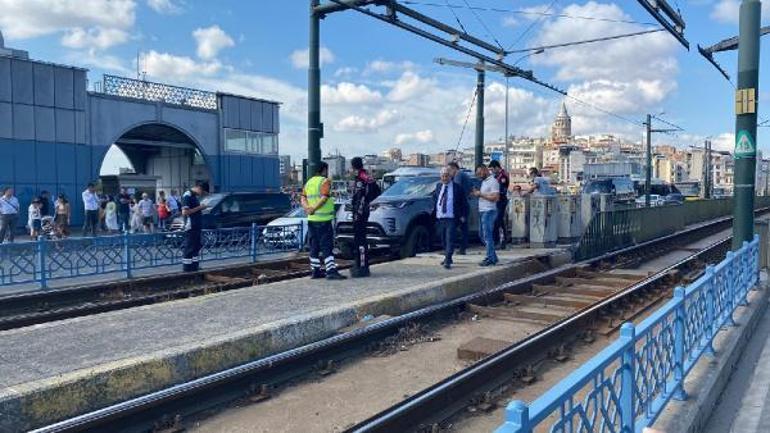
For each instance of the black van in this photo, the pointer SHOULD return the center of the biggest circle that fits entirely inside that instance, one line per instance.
(622, 188)
(240, 209)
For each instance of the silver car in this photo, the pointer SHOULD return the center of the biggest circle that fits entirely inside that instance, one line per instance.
(401, 219)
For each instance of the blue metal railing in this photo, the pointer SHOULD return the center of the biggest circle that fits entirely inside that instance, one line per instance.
(626, 386)
(43, 260)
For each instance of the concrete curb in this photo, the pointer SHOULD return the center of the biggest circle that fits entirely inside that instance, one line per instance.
(709, 377)
(39, 403)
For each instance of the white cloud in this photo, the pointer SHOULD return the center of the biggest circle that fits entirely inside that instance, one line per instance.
(95, 37)
(349, 93)
(408, 86)
(299, 58)
(422, 137)
(33, 18)
(724, 141)
(166, 7)
(345, 71)
(355, 123)
(728, 11)
(383, 66)
(210, 41)
(164, 66)
(510, 21)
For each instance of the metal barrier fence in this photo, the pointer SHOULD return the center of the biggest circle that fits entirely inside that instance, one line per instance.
(626, 386)
(45, 260)
(620, 228)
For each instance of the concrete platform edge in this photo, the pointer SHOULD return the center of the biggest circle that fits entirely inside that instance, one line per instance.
(689, 416)
(39, 403)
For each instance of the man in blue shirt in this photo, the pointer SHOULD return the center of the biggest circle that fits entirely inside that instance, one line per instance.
(451, 207)
(9, 214)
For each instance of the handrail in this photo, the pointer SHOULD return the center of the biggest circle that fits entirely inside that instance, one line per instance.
(625, 387)
(45, 260)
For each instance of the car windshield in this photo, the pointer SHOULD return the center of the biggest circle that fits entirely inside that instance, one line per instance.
(602, 187)
(412, 187)
(212, 200)
(297, 213)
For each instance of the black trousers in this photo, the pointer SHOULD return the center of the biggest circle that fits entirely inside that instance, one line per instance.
(360, 245)
(191, 250)
(91, 223)
(501, 222)
(446, 229)
(321, 244)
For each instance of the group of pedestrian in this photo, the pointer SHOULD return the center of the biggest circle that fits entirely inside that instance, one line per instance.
(129, 213)
(452, 207)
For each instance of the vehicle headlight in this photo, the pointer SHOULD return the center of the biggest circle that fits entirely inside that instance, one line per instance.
(391, 205)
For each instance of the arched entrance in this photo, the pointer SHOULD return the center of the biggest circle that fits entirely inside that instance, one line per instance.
(155, 157)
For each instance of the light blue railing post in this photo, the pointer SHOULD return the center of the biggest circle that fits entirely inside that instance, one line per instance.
(679, 339)
(516, 418)
(710, 293)
(301, 240)
(41, 252)
(627, 382)
(755, 261)
(253, 246)
(746, 274)
(127, 254)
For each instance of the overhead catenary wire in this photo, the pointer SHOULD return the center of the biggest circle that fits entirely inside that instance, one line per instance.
(459, 23)
(467, 118)
(484, 25)
(525, 12)
(533, 24)
(586, 41)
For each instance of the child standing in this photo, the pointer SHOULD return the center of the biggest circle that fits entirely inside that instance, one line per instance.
(163, 213)
(35, 219)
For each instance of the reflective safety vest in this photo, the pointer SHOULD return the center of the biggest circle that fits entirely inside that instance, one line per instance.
(313, 193)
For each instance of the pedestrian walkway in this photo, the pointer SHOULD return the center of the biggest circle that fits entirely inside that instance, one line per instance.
(745, 403)
(60, 369)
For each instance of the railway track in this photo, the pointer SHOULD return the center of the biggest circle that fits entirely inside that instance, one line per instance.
(36, 307)
(569, 302)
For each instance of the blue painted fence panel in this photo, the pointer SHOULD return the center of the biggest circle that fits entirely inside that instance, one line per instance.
(45, 260)
(625, 387)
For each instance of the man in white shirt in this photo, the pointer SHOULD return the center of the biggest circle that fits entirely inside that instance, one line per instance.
(9, 214)
(173, 204)
(146, 208)
(488, 197)
(91, 205)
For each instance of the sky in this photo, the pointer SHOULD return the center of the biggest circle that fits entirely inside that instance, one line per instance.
(381, 87)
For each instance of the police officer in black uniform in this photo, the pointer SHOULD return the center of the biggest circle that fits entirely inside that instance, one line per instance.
(364, 190)
(191, 210)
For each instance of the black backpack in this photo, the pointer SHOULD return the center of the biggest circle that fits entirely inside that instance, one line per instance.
(372, 192)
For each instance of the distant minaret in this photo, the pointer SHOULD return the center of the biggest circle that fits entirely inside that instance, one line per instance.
(561, 131)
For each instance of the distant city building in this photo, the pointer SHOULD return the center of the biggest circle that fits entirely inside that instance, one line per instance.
(284, 168)
(561, 130)
(337, 167)
(417, 160)
(612, 168)
(445, 157)
(394, 154)
(525, 153)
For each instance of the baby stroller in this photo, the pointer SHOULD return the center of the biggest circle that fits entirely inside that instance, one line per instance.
(48, 228)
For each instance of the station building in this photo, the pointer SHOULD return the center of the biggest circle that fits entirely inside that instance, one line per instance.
(55, 133)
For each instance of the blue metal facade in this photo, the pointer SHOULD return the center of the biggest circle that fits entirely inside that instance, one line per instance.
(54, 134)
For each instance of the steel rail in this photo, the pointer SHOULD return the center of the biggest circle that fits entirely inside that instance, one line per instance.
(434, 404)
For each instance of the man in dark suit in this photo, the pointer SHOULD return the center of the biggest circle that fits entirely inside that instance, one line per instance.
(451, 208)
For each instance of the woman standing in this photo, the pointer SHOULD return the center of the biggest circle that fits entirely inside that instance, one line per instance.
(62, 216)
(163, 213)
(111, 215)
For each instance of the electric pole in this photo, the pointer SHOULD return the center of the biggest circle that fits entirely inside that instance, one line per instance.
(479, 150)
(707, 176)
(745, 152)
(648, 172)
(314, 126)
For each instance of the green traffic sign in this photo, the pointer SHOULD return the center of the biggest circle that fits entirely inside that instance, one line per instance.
(744, 145)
